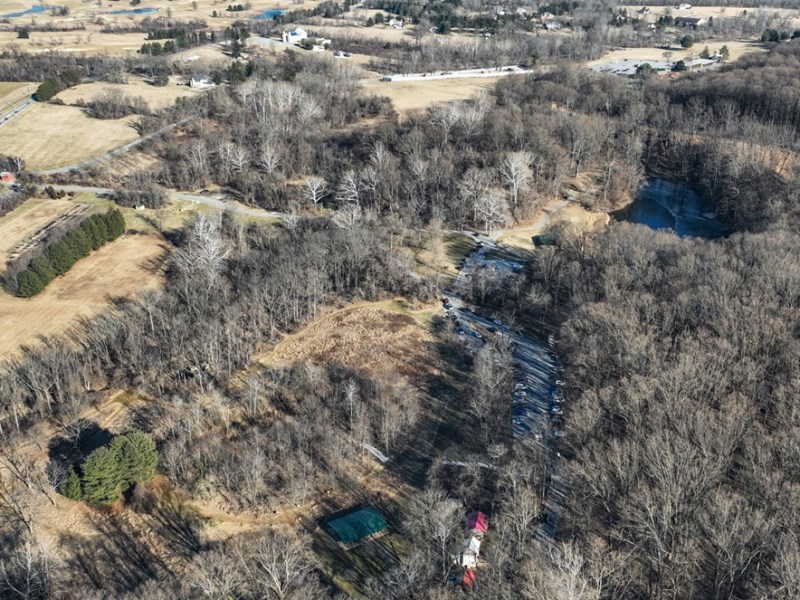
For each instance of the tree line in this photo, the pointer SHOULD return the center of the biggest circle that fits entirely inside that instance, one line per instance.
(50, 87)
(30, 275)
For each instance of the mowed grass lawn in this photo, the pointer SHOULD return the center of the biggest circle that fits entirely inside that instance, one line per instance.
(48, 135)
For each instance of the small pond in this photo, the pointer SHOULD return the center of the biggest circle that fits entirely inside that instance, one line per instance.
(270, 14)
(34, 10)
(133, 11)
(662, 204)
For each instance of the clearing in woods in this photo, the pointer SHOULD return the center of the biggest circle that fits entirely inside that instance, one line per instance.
(374, 336)
(48, 135)
(418, 95)
(123, 267)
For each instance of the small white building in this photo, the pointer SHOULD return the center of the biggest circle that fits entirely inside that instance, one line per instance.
(470, 554)
(200, 82)
(684, 6)
(294, 36)
(397, 23)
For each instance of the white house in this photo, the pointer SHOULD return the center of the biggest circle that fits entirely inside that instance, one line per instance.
(295, 36)
(470, 554)
(397, 23)
(200, 82)
(684, 6)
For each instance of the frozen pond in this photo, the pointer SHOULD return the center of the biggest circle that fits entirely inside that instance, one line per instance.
(662, 204)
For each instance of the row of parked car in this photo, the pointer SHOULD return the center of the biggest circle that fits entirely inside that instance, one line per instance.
(524, 408)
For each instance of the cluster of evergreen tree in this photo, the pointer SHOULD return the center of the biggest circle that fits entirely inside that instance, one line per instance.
(182, 40)
(111, 470)
(176, 32)
(59, 257)
(50, 87)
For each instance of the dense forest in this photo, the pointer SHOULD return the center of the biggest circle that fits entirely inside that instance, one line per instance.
(679, 355)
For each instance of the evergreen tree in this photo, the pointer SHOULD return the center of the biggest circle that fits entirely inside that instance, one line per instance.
(28, 284)
(102, 480)
(72, 486)
(61, 257)
(41, 266)
(115, 223)
(137, 456)
(79, 243)
(92, 229)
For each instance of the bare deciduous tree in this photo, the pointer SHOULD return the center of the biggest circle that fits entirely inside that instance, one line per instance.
(315, 189)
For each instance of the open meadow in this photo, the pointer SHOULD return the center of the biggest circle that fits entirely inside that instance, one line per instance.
(48, 135)
(124, 267)
(156, 97)
(408, 96)
(119, 14)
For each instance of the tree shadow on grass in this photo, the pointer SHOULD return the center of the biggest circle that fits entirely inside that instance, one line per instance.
(118, 558)
(77, 442)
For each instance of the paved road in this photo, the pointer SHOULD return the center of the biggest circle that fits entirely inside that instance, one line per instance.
(16, 111)
(218, 202)
(536, 373)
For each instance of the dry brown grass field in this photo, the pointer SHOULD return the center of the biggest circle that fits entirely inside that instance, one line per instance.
(156, 97)
(12, 91)
(90, 41)
(374, 336)
(48, 135)
(407, 96)
(24, 221)
(555, 212)
(122, 268)
(91, 12)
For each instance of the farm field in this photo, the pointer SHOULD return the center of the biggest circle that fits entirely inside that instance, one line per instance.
(89, 41)
(48, 135)
(122, 268)
(407, 96)
(156, 97)
(25, 220)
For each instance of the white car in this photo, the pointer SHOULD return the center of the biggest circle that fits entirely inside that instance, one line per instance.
(559, 433)
(556, 410)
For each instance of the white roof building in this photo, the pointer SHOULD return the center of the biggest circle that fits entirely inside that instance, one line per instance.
(295, 36)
